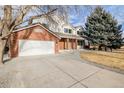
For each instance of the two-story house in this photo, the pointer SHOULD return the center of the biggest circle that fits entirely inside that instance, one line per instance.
(42, 38)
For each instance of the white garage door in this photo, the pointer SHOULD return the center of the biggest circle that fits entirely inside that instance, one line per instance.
(35, 47)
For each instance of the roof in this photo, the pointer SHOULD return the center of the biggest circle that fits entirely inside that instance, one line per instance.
(62, 35)
(57, 34)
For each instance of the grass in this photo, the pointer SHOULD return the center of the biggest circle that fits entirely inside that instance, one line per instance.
(113, 59)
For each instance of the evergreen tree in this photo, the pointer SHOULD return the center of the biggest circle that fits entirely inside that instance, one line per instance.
(103, 29)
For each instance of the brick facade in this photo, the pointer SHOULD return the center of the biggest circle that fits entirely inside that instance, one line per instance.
(65, 43)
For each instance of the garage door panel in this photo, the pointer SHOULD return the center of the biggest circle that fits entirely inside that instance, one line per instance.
(33, 47)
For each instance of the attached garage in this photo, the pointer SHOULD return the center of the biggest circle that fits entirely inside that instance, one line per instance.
(36, 47)
(33, 40)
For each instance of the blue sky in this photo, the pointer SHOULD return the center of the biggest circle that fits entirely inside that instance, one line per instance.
(79, 19)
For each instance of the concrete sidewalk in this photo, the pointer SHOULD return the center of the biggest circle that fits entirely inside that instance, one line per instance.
(65, 70)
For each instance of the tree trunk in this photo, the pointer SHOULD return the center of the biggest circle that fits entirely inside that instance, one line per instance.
(1, 52)
(111, 49)
(2, 47)
(100, 47)
(105, 48)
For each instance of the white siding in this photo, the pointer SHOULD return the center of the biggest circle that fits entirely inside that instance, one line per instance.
(57, 28)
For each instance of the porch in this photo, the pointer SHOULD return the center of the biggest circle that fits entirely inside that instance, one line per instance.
(67, 44)
(68, 41)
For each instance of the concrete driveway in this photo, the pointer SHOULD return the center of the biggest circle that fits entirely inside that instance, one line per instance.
(65, 70)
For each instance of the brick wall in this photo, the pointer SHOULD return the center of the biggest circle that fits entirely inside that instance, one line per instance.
(33, 33)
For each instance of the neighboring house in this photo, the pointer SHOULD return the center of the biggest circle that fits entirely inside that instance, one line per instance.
(37, 39)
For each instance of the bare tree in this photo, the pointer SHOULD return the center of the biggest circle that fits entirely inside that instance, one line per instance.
(8, 23)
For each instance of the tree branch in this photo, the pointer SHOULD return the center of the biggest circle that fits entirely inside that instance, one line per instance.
(38, 16)
(19, 19)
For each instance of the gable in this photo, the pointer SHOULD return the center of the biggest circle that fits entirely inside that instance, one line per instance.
(35, 33)
(37, 30)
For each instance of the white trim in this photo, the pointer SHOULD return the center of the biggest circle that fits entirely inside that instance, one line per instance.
(72, 37)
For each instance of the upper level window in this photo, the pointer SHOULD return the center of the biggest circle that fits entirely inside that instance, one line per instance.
(70, 31)
(65, 30)
(78, 32)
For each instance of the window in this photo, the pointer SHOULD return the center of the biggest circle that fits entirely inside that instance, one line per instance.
(70, 31)
(65, 30)
(78, 32)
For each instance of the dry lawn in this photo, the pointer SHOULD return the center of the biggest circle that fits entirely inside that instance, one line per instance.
(113, 59)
